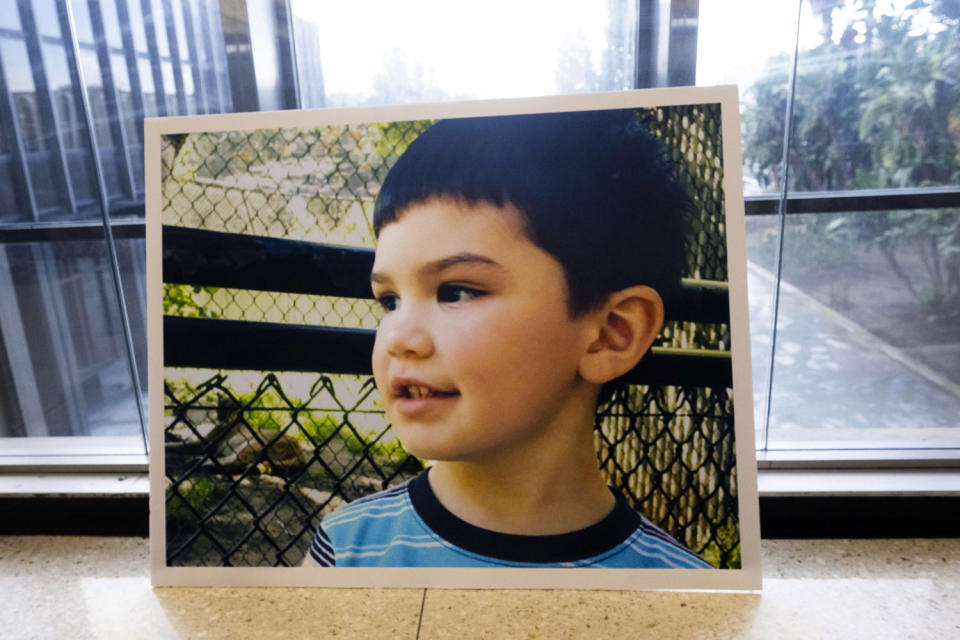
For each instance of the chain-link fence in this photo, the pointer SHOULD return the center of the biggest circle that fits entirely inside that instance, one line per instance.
(255, 460)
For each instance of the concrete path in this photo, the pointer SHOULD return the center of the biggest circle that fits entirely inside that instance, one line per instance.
(837, 383)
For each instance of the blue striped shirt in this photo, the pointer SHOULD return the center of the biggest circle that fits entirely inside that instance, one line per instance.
(406, 526)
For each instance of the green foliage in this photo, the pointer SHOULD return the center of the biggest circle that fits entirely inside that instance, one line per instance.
(199, 493)
(180, 300)
(395, 137)
(268, 410)
(877, 106)
(727, 537)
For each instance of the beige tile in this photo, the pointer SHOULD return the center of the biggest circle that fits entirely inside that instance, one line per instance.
(935, 558)
(292, 613)
(812, 589)
(581, 614)
(70, 587)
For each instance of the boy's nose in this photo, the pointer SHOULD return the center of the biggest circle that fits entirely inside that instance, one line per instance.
(406, 336)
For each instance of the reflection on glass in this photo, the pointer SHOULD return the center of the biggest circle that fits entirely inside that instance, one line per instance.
(146, 86)
(111, 23)
(63, 352)
(760, 65)
(17, 71)
(137, 29)
(544, 47)
(762, 234)
(179, 28)
(132, 257)
(81, 17)
(189, 89)
(160, 28)
(868, 344)
(874, 104)
(46, 16)
(10, 20)
(170, 89)
(63, 367)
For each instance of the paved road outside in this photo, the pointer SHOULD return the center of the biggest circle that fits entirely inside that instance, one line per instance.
(835, 382)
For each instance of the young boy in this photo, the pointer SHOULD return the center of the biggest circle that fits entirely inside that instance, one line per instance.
(518, 263)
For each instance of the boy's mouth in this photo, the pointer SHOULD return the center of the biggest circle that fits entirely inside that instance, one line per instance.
(417, 391)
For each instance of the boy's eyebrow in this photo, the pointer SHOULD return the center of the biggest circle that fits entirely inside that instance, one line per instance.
(438, 266)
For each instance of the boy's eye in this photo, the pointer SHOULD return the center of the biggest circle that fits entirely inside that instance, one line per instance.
(388, 301)
(456, 293)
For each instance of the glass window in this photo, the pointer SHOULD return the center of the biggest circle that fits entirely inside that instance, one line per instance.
(9, 206)
(874, 98)
(867, 333)
(70, 122)
(64, 368)
(545, 47)
(137, 29)
(867, 338)
(62, 340)
(81, 17)
(146, 85)
(170, 89)
(111, 23)
(47, 18)
(160, 27)
(760, 66)
(19, 77)
(186, 72)
(180, 30)
(10, 20)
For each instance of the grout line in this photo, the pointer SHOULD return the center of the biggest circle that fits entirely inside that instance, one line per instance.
(420, 620)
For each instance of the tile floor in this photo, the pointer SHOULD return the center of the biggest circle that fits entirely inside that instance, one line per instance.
(74, 587)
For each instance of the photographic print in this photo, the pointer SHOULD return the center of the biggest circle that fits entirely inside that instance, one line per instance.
(485, 344)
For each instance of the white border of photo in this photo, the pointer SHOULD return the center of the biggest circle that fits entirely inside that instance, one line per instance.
(748, 577)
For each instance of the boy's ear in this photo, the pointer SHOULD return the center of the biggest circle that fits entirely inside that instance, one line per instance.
(621, 332)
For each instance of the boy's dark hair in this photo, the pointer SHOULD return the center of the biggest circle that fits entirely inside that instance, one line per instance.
(595, 188)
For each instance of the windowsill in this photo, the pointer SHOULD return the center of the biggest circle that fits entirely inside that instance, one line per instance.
(74, 485)
(79, 455)
(796, 483)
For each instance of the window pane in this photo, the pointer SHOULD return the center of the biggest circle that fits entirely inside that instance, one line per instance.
(35, 131)
(81, 18)
(180, 30)
(19, 77)
(876, 100)
(135, 14)
(266, 56)
(72, 127)
(189, 89)
(62, 342)
(10, 20)
(46, 17)
(132, 258)
(111, 23)
(146, 85)
(170, 89)
(9, 206)
(160, 27)
(868, 343)
(760, 65)
(63, 360)
(543, 48)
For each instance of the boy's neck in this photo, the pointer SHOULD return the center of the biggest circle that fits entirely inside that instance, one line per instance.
(526, 495)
